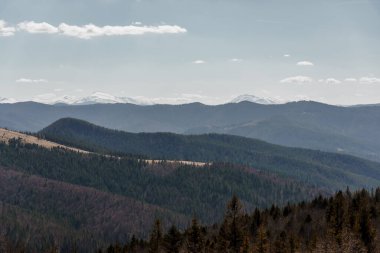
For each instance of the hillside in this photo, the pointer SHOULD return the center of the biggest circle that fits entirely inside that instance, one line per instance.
(329, 170)
(67, 212)
(183, 189)
(8, 135)
(348, 130)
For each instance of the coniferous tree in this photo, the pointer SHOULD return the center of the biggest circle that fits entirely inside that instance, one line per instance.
(293, 244)
(367, 231)
(281, 244)
(256, 221)
(262, 243)
(133, 244)
(156, 237)
(233, 225)
(172, 240)
(195, 241)
(245, 247)
(222, 242)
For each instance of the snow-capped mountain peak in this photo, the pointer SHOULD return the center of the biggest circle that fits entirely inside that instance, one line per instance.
(7, 100)
(98, 98)
(255, 99)
(101, 98)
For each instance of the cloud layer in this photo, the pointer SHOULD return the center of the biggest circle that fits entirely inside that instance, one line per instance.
(297, 80)
(6, 31)
(369, 80)
(333, 81)
(88, 31)
(33, 27)
(305, 63)
(27, 80)
(199, 62)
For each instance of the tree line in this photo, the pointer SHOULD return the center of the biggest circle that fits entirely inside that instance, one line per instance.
(346, 222)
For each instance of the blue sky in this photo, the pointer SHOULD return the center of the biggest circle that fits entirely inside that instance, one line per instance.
(202, 50)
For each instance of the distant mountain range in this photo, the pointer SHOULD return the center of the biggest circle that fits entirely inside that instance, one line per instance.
(94, 98)
(104, 98)
(348, 130)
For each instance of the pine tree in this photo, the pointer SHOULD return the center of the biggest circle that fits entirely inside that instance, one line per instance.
(245, 247)
(337, 216)
(293, 244)
(262, 243)
(172, 240)
(133, 244)
(281, 244)
(367, 231)
(195, 243)
(155, 241)
(222, 243)
(234, 226)
(256, 221)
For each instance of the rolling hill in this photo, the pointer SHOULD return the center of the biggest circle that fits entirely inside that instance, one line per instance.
(321, 169)
(46, 207)
(177, 187)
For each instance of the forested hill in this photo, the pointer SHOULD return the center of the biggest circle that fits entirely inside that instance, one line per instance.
(59, 196)
(322, 169)
(181, 188)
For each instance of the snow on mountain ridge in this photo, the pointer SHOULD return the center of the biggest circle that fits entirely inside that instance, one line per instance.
(105, 98)
(7, 100)
(255, 99)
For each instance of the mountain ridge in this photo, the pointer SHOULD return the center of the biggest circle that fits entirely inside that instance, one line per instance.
(326, 168)
(313, 125)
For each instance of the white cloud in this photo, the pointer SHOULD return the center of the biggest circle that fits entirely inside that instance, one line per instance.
(305, 63)
(90, 30)
(333, 81)
(33, 27)
(199, 62)
(297, 80)
(369, 80)
(6, 31)
(27, 80)
(286, 55)
(350, 79)
(236, 60)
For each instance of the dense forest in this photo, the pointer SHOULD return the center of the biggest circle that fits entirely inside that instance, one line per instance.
(182, 188)
(111, 198)
(59, 200)
(329, 170)
(346, 222)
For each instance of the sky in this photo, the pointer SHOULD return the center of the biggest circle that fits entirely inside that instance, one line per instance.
(192, 50)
